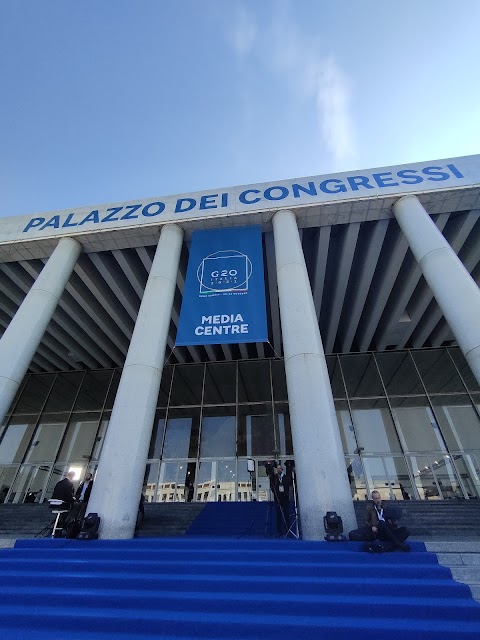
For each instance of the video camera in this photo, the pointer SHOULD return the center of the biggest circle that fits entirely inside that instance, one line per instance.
(270, 467)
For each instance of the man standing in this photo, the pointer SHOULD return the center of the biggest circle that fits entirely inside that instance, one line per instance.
(280, 486)
(82, 495)
(382, 526)
(85, 489)
(63, 490)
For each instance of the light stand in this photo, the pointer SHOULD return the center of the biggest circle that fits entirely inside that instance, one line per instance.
(294, 528)
(251, 471)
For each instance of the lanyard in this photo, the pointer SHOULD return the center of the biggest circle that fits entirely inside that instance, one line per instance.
(380, 514)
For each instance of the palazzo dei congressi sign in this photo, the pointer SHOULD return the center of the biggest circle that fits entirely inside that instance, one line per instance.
(387, 181)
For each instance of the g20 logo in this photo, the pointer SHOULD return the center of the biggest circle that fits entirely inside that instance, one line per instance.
(224, 271)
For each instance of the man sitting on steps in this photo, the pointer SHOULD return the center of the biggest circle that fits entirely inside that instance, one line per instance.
(383, 526)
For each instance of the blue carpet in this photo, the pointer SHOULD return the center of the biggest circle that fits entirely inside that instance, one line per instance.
(235, 520)
(200, 587)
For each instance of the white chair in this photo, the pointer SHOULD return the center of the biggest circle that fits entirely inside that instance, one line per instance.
(58, 507)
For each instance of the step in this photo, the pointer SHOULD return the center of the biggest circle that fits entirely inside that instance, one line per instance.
(239, 602)
(459, 560)
(453, 546)
(215, 588)
(376, 568)
(287, 556)
(179, 582)
(246, 626)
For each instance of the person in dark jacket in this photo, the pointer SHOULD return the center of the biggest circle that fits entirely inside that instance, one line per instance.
(382, 526)
(85, 488)
(64, 489)
(81, 496)
(280, 486)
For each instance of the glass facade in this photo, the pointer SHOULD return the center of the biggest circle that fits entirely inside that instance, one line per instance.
(409, 423)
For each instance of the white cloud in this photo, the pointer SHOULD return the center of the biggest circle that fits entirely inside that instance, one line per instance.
(333, 96)
(311, 75)
(244, 32)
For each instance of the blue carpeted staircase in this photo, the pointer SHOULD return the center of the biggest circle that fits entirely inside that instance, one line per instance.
(219, 588)
(235, 520)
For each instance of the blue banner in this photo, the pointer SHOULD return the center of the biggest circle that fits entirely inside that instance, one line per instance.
(224, 295)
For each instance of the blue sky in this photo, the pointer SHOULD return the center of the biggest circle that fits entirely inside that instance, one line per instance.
(110, 100)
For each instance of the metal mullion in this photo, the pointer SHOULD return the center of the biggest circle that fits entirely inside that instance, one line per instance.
(477, 411)
(24, 381)
(102, 411)
(276, 444)
(398, 431)
(237, 422)
(62, 439)
(201, 410)
(447, 449)
(347, 397)
(237, 416)
(33, 432)
(429, 457)
(167, 410)
(70, 415)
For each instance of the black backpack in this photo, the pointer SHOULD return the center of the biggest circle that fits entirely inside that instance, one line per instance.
(72, 529)
(90, 527)
(378, 546)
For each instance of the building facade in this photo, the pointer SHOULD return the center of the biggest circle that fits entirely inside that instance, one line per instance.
(369, 378)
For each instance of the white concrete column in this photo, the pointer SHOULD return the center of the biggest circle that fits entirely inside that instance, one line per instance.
(319, 461)
(454, 289)
(118, 483)
(24, 333)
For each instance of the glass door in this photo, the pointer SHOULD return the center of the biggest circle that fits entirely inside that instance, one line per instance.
(29, 484)
(388, 475)
(246, 482)
(356, 478)
(173, 481)
(435, 477)
(216, 481)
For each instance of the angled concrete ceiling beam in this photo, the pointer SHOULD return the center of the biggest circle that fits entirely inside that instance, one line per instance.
(320, 267)
(398, 303)
(347, 252)
(10, 301)
(129, 302)
(133, 270)
(424, 297)
(243, 351)
(377, 300)
(78, 304)
(441, 333)
(428, 324)
(260, 349)
(227, 351)
(97, 286)
(273, 293)
(359, 294)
